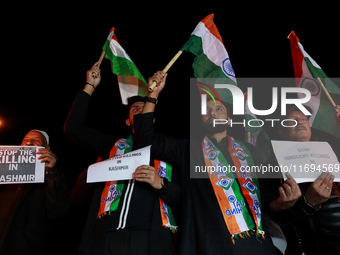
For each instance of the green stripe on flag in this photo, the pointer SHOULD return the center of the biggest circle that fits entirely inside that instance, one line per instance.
(325, 118)
(203, 67)
(122, 66)
(317, 72)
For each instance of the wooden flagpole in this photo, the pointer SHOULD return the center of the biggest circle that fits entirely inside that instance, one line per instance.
(172, 61)
(100, 60)
(326, 92)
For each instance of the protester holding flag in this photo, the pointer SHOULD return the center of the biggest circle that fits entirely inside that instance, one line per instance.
(309, 213)
(325, 93)
(125, 217)
(221, 212)
(217, 217)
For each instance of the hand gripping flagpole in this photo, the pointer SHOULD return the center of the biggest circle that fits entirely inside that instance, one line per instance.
(172, 61)
(327, 94)
(100, 61)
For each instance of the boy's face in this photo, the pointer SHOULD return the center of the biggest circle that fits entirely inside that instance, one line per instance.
(136, 108)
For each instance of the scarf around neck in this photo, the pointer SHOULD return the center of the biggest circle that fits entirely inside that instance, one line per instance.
(113, 190)
(236, 189)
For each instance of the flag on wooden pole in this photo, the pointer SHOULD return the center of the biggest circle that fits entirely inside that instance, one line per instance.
(212, 59)
(131, 82)
(325, 93)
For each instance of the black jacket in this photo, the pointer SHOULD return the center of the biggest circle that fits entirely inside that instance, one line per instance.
(307, 229)
(144, 210)
(27, 211)
(202, 229)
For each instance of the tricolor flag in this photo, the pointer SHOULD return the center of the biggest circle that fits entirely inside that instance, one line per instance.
(306, 71)
(131, 82)
(212, 59)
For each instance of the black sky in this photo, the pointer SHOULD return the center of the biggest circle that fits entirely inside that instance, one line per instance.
(46, 50)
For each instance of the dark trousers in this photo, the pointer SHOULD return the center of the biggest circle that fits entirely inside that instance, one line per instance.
(123, 242)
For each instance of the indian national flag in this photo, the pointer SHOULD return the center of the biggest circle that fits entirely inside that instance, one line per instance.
(306, 71)
(131, 82)
(212, 59)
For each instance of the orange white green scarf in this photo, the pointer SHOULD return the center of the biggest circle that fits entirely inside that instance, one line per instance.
(234, 194)
(113, 190)
(165, 170)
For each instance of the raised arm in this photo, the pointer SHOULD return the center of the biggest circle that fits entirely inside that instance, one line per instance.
(160, 79)
(163, 147)
(92, 79)
(75, 127)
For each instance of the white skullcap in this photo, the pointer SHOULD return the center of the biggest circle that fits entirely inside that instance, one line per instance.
(44, 134)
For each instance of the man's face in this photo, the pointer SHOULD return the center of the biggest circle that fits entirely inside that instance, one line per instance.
(136, 108)
(217, 111)
(301, 132)
(34, 138)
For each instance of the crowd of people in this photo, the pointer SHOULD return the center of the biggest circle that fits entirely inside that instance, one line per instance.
(162, 210)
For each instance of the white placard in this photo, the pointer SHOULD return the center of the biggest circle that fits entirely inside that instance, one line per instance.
(305, 161)
(120, 167)
(20, 164)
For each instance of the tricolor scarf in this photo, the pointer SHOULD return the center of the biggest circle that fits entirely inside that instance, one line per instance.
(234, 194)
(113, 190)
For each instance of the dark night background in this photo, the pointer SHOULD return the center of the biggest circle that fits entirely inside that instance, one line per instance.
(47, 49)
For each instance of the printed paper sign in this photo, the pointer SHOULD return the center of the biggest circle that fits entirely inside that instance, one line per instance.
(20, 164)
(120, 167)
(305, 161)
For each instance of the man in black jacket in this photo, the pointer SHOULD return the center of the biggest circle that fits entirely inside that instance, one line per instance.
(311, 211)
(135, 226)
(28, 209)
(205, 227)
